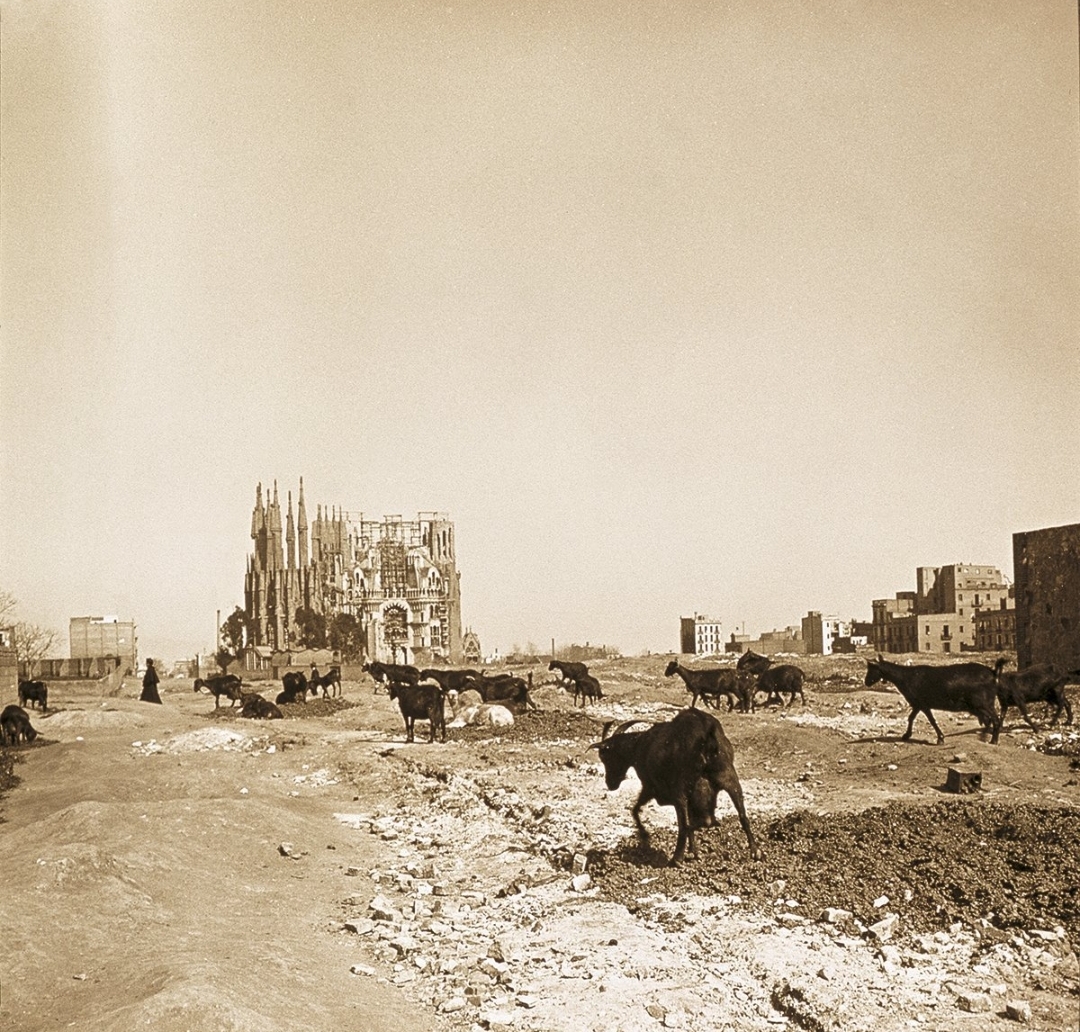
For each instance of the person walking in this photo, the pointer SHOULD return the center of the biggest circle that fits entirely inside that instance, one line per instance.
(149, 684)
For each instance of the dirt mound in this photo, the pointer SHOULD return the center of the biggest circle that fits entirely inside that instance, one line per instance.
(990, 866)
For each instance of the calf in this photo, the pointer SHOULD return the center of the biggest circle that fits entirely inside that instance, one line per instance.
(34, 692)
(588, 688)
(671, 760)
(228, 685)
(330, 682)
(1043, 683)
(420, 702)
(960, 688)
(15, 724)
(709, 684)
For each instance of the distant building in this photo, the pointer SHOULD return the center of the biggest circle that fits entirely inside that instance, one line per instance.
(470, 648)
(700, 635)
(1047, 568)
(821, 632)
(894, 627)
(768, 643)
(995, 629)
(396, 578)
(940, 615)
(104, 637)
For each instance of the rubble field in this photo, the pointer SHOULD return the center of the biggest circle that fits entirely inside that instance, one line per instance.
(493, 883)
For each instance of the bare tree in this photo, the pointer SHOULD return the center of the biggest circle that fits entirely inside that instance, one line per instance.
(7, 607)
(32, 644)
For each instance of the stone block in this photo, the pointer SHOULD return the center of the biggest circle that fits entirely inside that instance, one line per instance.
(963, 782)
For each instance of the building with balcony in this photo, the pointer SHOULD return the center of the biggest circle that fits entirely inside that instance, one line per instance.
(995, 629)
(700, 635)
(940, 615)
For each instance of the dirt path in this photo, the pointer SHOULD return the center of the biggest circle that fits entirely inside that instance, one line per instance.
(179, 869)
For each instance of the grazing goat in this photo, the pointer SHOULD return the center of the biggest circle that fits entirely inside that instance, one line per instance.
(32, 692)
(588, 688)
(960, 688)
(384, 673)
(448, 680)
(228, 685)
(15, 724)
(569, 672)
(506, 689)
(330, 682)
(420, 702)
(1043, 683)
(709, 685)
(294, 686)
(255, 707)
(670, 760)
(774, 681)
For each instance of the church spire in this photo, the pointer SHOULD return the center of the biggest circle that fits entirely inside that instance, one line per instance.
(302, 526)
(290, 538)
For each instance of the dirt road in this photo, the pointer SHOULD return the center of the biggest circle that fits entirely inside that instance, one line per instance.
(175, 868)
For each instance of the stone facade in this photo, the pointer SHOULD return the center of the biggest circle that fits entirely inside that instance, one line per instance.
(397, 577)
(1046, 565)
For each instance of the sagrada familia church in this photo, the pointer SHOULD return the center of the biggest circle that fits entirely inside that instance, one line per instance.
(398, 578)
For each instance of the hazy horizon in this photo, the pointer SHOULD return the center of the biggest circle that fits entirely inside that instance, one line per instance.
(734, 308)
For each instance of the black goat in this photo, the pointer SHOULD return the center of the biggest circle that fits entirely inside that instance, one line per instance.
(294, 686)
(588, 688)
(505, 689)
(774, 681)
(447, 679)
(420, 702)
(15, 724)
(228, 685)
(255, 707)
(384, 673)
(960, 688)
(330, 682)
(1043, 683)
(710, 684)
(569, 672)
(33, 692)
(671, 759)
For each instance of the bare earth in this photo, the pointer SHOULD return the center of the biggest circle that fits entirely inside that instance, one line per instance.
(179, 869)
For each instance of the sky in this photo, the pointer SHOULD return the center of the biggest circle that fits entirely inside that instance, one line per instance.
(733, 308)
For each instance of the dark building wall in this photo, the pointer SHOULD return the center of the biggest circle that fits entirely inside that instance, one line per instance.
(1046, 565)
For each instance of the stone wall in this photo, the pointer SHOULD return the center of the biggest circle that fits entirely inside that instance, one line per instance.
(1046, 566)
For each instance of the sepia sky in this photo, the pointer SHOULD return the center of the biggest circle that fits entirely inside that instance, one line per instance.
(729, 307)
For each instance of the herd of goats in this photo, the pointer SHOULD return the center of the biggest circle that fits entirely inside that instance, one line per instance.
(683, 762)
